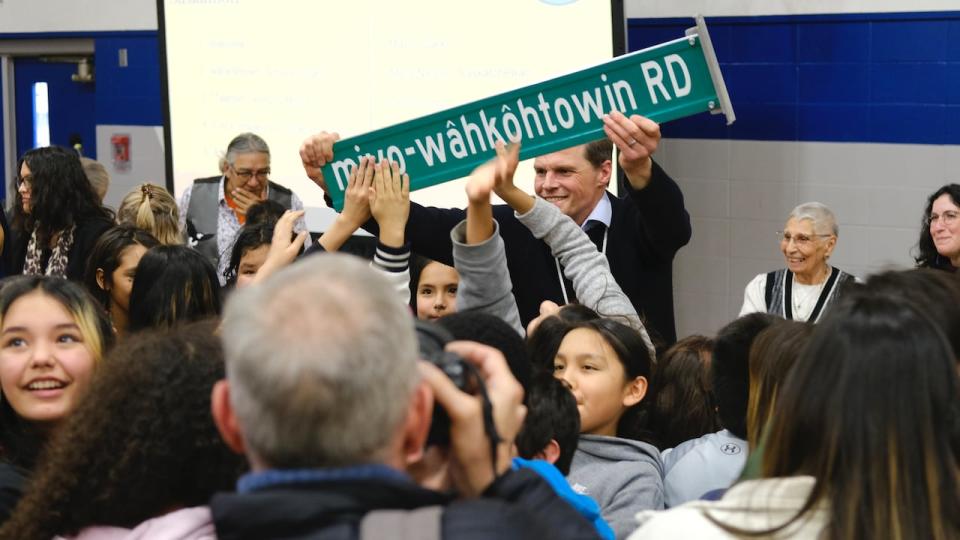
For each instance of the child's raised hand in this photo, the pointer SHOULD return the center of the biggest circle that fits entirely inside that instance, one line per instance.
(284, 247)
(356, 204)
(390, 201)
(494, 175)
(501, 170)
(508, 157)
(481, 183)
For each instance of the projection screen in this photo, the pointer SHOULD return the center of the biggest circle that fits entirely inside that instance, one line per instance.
(287, 68)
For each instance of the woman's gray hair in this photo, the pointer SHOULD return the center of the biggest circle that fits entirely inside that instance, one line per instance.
(820, 214)
(245, 143)
(97, 175)
(322, 362)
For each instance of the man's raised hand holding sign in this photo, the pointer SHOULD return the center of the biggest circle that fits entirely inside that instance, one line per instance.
(639, 231)
(315, 152)
(636, 138)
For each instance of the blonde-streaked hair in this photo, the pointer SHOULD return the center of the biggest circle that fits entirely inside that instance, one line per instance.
(151, 207)
(91, 319)
(21, 442)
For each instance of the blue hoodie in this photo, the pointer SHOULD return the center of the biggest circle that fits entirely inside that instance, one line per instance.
(583, 504)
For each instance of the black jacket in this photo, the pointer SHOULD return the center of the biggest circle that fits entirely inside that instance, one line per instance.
(12, 481)
(646, 230)
(519, 505)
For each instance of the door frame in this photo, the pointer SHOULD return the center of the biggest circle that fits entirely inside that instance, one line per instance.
(29, 47)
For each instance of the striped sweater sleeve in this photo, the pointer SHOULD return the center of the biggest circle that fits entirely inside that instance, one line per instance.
(394, 264)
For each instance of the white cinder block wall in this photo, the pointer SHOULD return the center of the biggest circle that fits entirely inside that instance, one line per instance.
(738, 192)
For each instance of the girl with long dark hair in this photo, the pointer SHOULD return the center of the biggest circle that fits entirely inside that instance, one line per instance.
(174, 284)
(863, 441)
(112, 268)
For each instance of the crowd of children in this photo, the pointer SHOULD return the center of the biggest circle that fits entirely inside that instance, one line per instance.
(111, 349)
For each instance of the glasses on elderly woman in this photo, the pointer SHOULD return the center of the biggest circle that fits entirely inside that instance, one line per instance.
(949, 217)
(800, 240)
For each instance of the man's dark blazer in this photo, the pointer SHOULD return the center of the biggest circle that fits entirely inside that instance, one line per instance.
(646, 230)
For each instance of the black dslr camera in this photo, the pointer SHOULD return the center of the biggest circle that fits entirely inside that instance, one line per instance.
(432, 339)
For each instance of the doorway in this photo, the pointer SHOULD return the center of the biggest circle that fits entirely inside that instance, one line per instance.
(45, 94)
(39, 90)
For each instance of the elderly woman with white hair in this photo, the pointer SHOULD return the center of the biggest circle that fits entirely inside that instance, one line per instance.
(808, 285)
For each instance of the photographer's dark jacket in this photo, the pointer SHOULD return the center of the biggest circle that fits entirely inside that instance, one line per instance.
(331, 503)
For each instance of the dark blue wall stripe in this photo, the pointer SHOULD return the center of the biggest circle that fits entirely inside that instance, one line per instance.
(863, 77)
(825, 17)
(128, 95)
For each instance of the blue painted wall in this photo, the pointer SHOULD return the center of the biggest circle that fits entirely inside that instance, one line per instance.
(120, 95)
(128, 95)
(892, 78)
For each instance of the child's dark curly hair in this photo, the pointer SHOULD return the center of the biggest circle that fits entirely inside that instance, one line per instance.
(141, 442)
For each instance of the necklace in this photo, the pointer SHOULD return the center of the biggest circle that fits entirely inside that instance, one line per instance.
(805, 298)
(804, 301)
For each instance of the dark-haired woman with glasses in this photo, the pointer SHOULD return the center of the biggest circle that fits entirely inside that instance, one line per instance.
(57, 217)
(939, 245)
(808, 285)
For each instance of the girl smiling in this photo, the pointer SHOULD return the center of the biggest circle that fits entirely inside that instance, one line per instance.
(52, 336)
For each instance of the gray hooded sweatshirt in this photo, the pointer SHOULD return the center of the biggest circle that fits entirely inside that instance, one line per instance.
(624, 477)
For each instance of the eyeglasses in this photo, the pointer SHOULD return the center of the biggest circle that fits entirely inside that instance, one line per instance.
(25, 180)
(949, 217)
(246, 175)
(801, 240)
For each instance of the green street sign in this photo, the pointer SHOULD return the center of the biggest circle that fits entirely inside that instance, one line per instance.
(665, 82)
